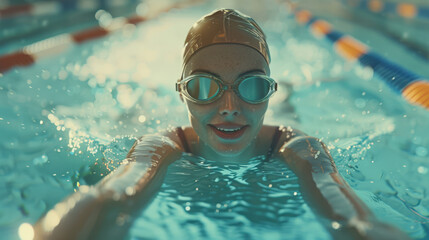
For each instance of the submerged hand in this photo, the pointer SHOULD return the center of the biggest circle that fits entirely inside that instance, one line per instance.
(116, 199)
(329, 195)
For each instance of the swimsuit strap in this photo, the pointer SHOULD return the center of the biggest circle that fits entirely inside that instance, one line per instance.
(182, 138)
(276, 137)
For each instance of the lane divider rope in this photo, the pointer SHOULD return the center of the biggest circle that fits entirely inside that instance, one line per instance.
(54, 45)
(402, 9)
(57, 7)
(414, 88)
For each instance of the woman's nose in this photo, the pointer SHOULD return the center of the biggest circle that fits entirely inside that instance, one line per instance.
(229, 105)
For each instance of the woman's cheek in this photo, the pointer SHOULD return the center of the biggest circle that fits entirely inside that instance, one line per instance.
(256, 113)
(198, 116)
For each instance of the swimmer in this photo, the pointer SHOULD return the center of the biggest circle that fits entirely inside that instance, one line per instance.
(226, 86)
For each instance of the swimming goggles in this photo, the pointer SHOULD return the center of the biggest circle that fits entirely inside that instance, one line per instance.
(206, 88)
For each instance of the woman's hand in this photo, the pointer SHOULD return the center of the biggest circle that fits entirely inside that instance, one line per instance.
(343, 214)
(149, 155)
(106, 210)
(155, 147)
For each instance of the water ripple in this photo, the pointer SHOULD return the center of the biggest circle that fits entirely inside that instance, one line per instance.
(209, 200)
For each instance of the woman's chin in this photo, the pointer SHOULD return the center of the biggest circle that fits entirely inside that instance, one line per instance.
(228, 151)
(222, 149)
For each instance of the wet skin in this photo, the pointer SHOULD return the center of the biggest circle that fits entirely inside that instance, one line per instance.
(228, 62)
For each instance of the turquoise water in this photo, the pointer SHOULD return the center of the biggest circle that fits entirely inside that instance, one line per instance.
(202, 199)
(70, 119)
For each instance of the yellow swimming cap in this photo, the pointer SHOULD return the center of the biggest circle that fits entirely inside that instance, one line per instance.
(225, 26)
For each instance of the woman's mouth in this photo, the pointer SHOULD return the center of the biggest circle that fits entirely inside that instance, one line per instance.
(228, 131)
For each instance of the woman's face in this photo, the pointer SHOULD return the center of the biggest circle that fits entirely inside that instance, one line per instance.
(228, 126)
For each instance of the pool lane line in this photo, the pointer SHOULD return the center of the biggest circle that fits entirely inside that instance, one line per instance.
(414, 88)
(57, 7)
(402, 9)
(29, 54)
(417, 48)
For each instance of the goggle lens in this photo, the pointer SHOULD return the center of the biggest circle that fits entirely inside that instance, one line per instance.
(202, 88)
(254, 88)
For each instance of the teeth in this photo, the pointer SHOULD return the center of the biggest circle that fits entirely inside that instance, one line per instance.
(228, 130)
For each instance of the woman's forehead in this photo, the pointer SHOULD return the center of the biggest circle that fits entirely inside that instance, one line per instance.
(226, 59)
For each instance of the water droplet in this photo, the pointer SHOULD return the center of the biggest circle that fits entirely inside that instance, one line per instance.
(422, 170)
(26, 231)
(142, 118)
(129, 191)
(335, 225)
(360, 103)
(40, 160)
(421, 151)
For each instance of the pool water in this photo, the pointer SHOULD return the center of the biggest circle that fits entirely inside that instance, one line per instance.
(202, 199)
(69, 120)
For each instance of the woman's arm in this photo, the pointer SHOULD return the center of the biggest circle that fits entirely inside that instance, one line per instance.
(106, 210)
(328, 194)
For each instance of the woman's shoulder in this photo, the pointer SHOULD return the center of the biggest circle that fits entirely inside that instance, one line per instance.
(181, 135)
(279, 134)
(167, 140)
